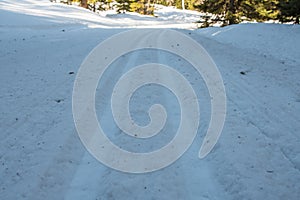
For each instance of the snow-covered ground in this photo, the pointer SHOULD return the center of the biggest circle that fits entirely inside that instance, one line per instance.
(42, 46)
(60, 14)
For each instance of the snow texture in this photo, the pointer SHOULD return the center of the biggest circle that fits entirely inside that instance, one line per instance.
(42, 46)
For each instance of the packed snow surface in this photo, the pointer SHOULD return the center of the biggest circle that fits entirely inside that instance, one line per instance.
(42, 46)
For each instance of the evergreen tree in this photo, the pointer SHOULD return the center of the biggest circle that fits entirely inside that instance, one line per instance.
(289, 10)
(123, 6)
(234, 10)
(92, 5)
(266, 9)
(188, 4)
(142, 6)
(223, 8)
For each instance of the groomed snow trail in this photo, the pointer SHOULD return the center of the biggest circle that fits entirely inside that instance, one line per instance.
(41, 156)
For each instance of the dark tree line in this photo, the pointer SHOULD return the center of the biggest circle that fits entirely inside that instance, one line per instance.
(226, 11)
(290, 10)
(234, 11)
(140, 6)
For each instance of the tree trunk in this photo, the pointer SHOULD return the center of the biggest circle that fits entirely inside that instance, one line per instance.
(232, 9)
(84, 3)
(148, 7)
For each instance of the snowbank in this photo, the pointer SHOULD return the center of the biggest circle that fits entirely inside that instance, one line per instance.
(35, 13)
(280, 41)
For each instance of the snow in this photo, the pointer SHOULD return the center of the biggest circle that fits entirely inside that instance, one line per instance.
(277, 40)
(42, 157)
(22, 13)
